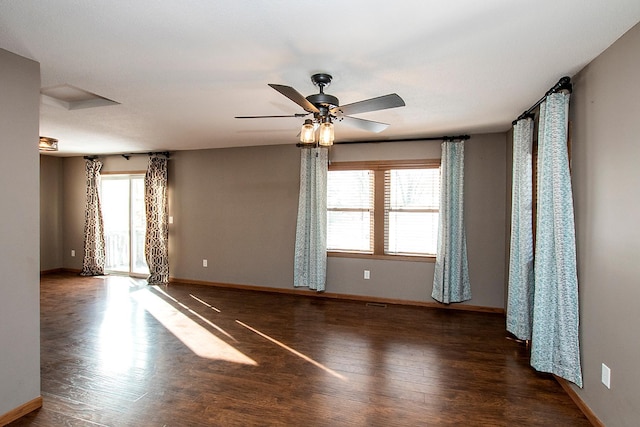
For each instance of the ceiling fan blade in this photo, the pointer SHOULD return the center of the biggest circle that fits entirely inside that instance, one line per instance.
(271, 117)
(368, 125)
(296, 97)
(380, 103)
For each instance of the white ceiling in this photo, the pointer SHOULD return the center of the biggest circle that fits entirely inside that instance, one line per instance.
(181, 70)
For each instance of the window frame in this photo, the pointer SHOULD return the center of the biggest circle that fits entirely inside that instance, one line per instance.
(379, 167)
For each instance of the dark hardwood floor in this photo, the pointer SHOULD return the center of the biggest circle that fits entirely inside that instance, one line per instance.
(118, 353)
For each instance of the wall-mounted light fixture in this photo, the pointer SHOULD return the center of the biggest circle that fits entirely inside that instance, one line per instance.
(48, 144)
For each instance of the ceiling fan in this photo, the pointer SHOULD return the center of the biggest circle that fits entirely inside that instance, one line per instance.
(326, 109)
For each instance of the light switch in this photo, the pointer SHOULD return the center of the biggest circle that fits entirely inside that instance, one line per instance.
(606, 376)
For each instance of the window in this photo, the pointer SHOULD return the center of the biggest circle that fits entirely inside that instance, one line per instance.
(350, 210)
(412, 198)
(383, 209)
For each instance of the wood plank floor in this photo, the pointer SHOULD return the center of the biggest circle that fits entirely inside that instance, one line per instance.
(116, 352)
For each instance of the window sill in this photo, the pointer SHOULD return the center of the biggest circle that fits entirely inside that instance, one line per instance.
(412, 258)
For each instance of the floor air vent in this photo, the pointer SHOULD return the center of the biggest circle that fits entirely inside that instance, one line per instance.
(376, 304)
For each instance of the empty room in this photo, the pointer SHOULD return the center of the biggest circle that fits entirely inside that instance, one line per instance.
(287, 213)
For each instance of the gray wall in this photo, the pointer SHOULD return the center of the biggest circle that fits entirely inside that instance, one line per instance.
(237, 208)
(51, 230)
(606, 178)
(73, 201)
(19, 228)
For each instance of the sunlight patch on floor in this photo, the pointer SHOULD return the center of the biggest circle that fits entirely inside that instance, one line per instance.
(198, 339)
(204, 302)
(204, 319)
(293, 351)
(120, 352)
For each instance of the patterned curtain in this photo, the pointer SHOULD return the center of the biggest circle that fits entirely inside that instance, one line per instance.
(94, 246)
(310, 263)
(157, 236)
(451, 277)
(555, 345)
(520, 300)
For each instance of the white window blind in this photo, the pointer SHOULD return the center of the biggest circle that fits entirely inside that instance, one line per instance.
(412, 200)
(350, 196)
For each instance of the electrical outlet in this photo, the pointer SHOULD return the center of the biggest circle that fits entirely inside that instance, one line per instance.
(73, 252)
(367, 274)
(170, 220)
(204, 262)
(606, 376)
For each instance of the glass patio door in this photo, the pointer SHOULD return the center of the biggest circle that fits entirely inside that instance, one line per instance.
(124, 218)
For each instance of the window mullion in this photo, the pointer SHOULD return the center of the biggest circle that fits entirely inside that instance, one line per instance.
(378, 208)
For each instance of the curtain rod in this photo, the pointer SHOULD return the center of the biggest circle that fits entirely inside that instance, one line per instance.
(438, 138)
(563, 84)
(126, 156)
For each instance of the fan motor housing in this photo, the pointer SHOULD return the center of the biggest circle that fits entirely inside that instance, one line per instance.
(323, 100)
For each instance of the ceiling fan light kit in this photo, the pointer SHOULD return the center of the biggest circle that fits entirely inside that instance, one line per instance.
(307, 133)
(326, 109)
(325, 137)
